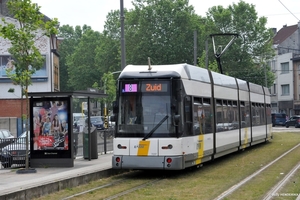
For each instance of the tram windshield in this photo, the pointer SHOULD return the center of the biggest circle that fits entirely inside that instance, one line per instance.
(145, 110)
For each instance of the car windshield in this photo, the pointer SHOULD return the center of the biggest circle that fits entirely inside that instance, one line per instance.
(6, 134)
(280, 115)
(22, 137)
(96, 119)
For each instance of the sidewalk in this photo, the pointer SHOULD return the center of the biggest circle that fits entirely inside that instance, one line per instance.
(49, 180)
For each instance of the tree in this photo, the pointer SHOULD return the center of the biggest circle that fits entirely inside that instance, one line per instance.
(247, 56)
(162, 30)
(109, 88)
(70, 38)
(82, 69)
(30, 26)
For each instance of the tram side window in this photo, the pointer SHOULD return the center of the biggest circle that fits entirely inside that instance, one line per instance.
(199, 117)
(188, 116)
(247, 108)
(244, 115)
(269, 121)
(202, 116)
(208, 116)
(227, 115)
(219, 115)
(262, 114)
(235, 116)
(256, 114)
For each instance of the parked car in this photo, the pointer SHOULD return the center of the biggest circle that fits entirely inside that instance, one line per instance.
(5, 138)
(97, 122)
(236, 125)
(5, 134)
(224, 126)
(15, 152)
(293, 121)
(278, 119)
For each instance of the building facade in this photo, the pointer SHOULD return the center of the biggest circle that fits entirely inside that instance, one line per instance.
(286, 67)
(44, 80)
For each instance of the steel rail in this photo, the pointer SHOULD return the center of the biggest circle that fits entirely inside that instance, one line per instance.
(241, 183)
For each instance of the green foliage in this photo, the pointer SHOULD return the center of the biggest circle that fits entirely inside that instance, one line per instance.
(22, 35)
(247, 56)
(164, 30)
(82, 70)
(161, 30)
(71, 38)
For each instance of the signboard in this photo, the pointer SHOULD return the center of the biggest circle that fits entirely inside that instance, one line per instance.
(146, 87)
(84, 106)
(50, 131)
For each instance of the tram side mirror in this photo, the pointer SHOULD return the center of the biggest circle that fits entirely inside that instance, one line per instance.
(115, 107)
(173, 105)
(176, 119)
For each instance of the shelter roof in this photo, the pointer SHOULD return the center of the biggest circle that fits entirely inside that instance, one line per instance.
(76, 94)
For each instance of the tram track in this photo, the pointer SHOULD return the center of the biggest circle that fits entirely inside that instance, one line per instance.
(151, 183)
(275, 189)
(116, 183)
(239, 172)
(93, 189)
(132, 189)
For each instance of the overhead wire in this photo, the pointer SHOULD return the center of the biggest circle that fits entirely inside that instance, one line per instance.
(288, 10)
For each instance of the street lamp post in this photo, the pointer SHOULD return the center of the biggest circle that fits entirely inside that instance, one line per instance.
(105, 104)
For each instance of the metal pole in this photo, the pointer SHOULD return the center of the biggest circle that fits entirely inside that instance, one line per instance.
(195, 48)
(265, 70)
(206, 53)
(123, 56)
(89, 130)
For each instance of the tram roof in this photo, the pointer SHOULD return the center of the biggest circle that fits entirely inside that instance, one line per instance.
(190, 72)
(154, 71)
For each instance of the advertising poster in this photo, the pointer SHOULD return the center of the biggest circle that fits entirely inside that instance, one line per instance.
(6, 62)
(50, 124)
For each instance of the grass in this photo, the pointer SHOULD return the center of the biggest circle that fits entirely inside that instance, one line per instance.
(212, 179)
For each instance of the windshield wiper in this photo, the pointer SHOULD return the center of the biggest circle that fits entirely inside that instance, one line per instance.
(156, 127)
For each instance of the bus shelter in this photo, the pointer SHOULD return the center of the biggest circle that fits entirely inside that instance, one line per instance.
(52, 139)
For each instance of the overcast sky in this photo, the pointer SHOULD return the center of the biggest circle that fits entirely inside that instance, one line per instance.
(93, 12)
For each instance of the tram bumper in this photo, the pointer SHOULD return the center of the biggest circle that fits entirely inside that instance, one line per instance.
(148, 162)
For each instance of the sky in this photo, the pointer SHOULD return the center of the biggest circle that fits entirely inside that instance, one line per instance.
(93, 12)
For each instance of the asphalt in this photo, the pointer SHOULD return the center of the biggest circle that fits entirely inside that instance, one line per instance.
(16, 185)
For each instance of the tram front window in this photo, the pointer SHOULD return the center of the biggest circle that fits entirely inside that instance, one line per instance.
(141, 114)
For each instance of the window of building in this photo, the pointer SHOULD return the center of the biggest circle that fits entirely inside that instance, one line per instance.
(7, 62)
(274, 105)
(56, 72)
(274, 89)
(285, 89)
(285, 68)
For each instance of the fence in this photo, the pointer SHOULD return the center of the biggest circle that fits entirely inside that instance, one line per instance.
(13, 151)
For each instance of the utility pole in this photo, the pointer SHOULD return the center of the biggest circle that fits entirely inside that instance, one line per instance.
(195, 48)
(123, 56)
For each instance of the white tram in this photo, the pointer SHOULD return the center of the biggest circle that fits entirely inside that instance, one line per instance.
(171, 117)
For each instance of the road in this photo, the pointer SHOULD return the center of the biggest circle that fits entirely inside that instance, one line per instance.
(284, 129)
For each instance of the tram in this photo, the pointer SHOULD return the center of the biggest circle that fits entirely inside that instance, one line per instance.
(171, 117)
